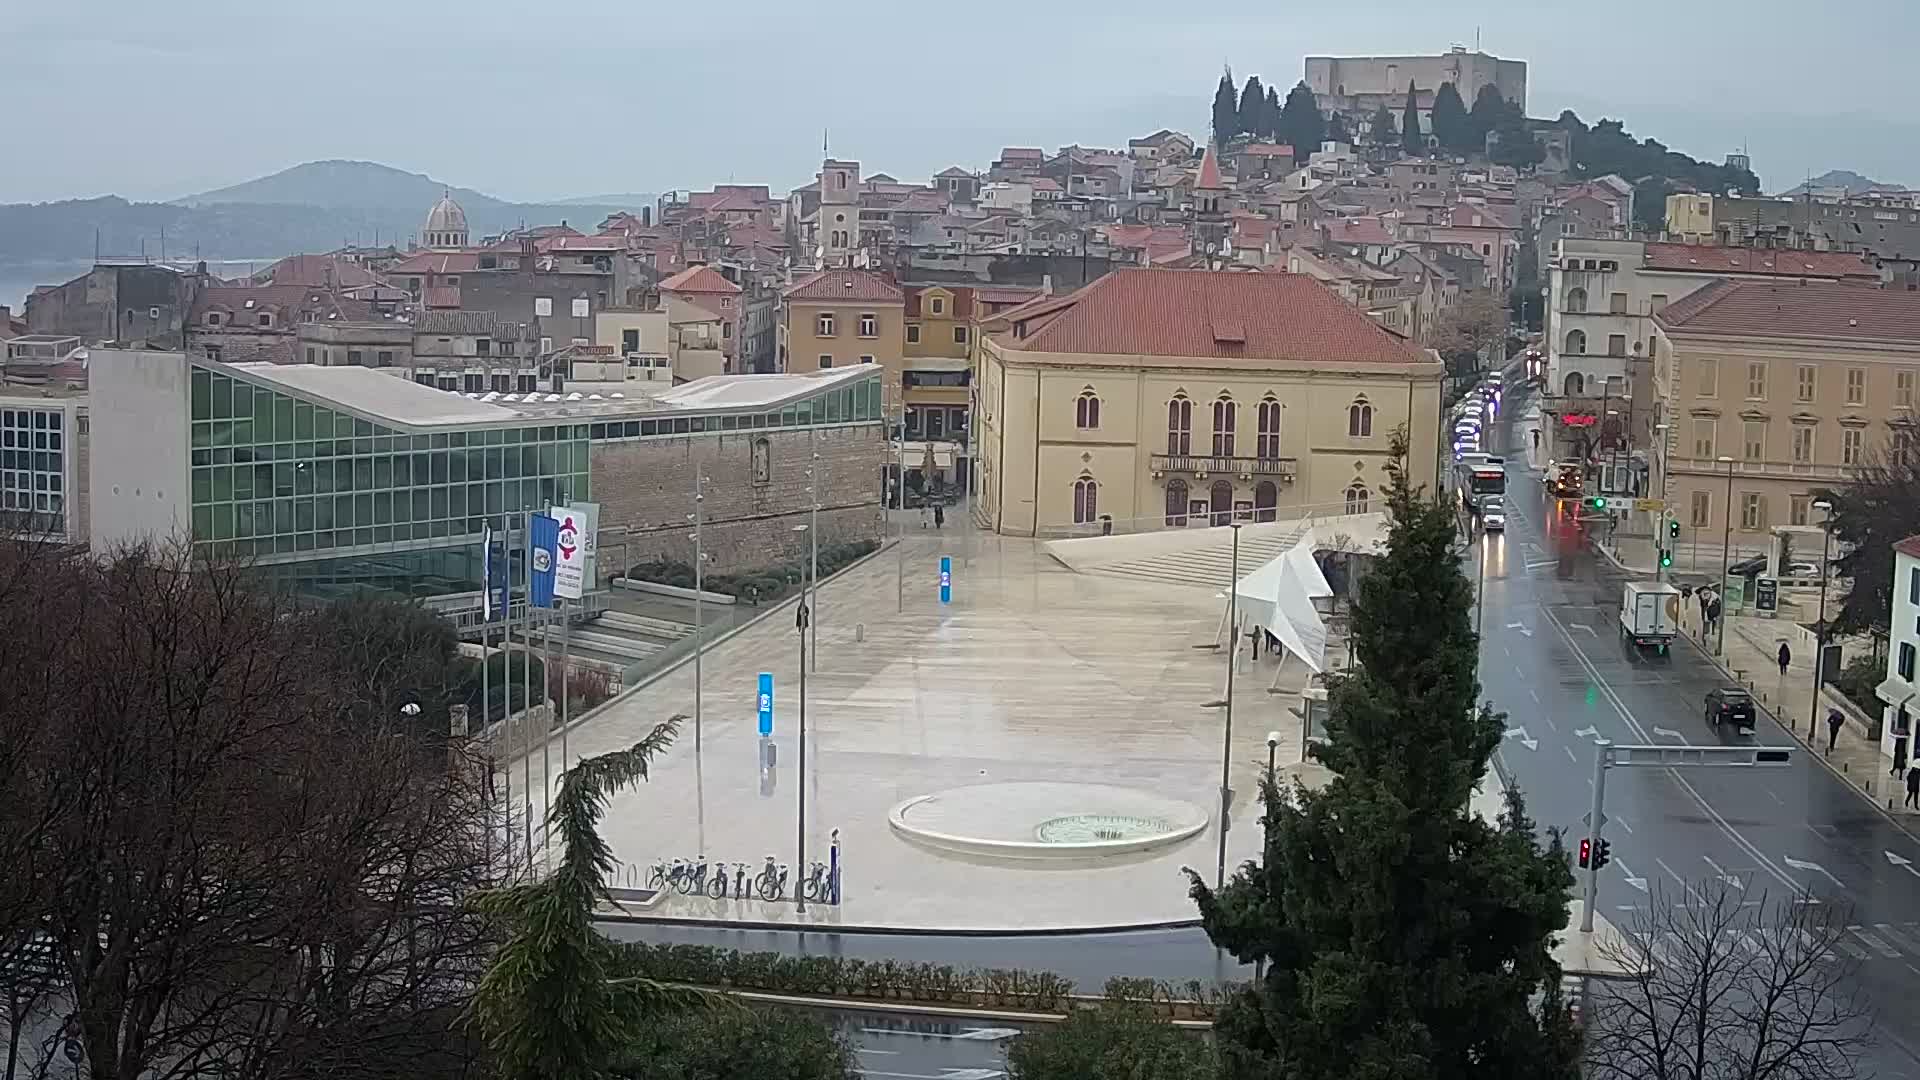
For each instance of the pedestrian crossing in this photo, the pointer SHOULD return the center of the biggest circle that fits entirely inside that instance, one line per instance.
(1879, 942)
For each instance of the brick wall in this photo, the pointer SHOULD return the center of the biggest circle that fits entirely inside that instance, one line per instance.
(645, 491)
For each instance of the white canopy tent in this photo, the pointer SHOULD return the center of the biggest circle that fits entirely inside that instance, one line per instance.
(1279, 596)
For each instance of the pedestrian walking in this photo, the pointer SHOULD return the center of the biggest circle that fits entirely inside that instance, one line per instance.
(1786, 657)
(1899, 756)
(939, 515)
(1913, 787)
(1834, 720)
(923, 515)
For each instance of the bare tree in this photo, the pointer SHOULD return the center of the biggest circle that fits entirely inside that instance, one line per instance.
(255, 867)
(1729, 986)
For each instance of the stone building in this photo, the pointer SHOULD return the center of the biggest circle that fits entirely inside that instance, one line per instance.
(140, 304)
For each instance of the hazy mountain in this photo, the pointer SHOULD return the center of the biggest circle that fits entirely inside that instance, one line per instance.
(363, 185)
(628, 199)
(1852, 182)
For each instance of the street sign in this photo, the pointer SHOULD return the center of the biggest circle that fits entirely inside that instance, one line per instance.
(946, 579)
(766, 703)
(1652, 505)
(1766, 594)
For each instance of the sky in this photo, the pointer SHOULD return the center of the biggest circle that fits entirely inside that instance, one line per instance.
(533, 102)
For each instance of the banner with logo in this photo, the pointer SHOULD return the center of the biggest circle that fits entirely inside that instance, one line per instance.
(494, 570)
(545, 539)
(573, 548)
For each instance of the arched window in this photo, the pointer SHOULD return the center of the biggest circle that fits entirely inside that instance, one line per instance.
(1179, 425)
(1086, 410)
(1220, 502)
(1577, 300)
(1576, 384)
(1086, 500)
(1266, 445)
(1576, 343)
(1357, 496)
(1225, 413)
(1176, 502)
(1266, 498)
(1360, 419)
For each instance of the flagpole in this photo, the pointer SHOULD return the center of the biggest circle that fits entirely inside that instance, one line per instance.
(546, 724)
(486, 655)
(526, 698)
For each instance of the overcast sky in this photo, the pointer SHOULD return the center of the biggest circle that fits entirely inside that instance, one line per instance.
(534, 101)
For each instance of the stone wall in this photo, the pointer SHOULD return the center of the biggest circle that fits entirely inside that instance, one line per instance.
(645, 491)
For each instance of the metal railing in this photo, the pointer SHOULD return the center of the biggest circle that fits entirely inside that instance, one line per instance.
(1203, 465)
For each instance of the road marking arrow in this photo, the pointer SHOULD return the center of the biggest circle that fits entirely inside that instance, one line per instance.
(1903, 863)
(1587, 732)
(1637, 882)
(1730, 879)
(1521, 734)
(988, 1034)
(1522, 627)
(1584, 626)
(1668, 732)
(1799, 864)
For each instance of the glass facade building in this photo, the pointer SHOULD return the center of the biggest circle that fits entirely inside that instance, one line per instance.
(33, 470)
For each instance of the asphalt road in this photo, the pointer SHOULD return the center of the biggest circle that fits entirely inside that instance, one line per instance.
(1552, 659)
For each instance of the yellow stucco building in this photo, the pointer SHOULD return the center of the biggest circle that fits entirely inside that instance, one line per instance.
(838, 318)
(1157, 399)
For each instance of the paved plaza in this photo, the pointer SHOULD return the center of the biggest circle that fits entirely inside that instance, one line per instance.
(1035, 677)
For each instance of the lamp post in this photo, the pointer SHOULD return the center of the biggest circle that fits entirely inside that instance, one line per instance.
(699, 592)
(900, 511)
(1226, 738)
(1726, 548)
(1820, 627)
(801, 617)
(1480, 587)
(813, 535)
(1659, 491)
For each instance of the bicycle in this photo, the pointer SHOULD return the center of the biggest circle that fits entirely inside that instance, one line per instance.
(694, 881)
(657, 875)
(717, 885)
(772, 882)
(817, 886)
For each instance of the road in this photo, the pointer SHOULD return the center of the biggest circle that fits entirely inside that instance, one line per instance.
(1551, 658)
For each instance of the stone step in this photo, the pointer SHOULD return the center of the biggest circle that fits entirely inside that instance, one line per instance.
(614, 644)
(666, 629)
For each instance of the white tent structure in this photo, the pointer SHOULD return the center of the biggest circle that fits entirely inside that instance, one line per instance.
(1279, 596)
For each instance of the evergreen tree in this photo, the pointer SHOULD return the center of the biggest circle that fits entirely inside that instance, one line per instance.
(1337, 129)
(1403, 935)
(1488, 107)
(1226, 114)
(1272, 130)
(1411, 140)
(1382, 132)
(1253, 107)
(1450, 126)
(1301, 125)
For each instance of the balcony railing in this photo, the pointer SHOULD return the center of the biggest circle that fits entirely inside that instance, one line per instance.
(1200, 465)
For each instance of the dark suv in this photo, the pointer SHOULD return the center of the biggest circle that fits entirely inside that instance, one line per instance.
(1730, 705)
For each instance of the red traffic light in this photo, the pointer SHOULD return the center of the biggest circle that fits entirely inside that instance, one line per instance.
(1586, 851)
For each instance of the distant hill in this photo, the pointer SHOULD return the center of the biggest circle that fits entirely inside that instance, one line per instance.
(1846, 179)
(628, 199)
(314, 207)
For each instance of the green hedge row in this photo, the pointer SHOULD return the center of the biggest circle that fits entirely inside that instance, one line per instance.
(844, 977)
(762, 585)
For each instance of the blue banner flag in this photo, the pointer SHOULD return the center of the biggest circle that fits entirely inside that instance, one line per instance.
(946, 579)
(494, 568)
(766, 703)
(545, 538)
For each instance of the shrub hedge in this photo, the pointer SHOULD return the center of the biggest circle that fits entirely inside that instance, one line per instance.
(760, 585)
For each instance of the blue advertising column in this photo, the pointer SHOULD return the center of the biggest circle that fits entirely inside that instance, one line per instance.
(946, 579)
(766, 703)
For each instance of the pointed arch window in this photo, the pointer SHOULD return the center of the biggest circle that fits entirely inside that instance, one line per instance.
(1176, 502)
(1086, 500)
(1180, 425)
(1360, 419)
(1576, 301)
(1358, 498)
(1266, 444)
(1576, 343)
(1225, 416)
(1086, 410)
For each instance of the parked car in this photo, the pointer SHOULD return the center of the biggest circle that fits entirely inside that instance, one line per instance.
(1748, 567)
(1730, 705)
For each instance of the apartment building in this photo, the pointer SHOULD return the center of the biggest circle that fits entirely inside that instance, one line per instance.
(1772, 390)
(839, 318)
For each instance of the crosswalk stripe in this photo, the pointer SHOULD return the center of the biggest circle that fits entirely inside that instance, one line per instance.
(1879, 946)
(1848, 947)
(1898, 937)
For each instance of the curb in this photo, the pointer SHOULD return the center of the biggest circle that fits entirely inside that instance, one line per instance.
(602, 916)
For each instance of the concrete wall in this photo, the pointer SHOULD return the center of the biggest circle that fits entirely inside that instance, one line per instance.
(139, 428)
(645, 489)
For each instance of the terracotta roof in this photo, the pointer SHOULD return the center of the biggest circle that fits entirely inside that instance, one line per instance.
(1909, 547)
(441, 296)
(954, 170)
(1267, 149)
(315, 270)
(961, 308)
(1045, 183)
(1210, 170)
(1199, 313)
(582, 243)
(1818, 311)
(845, 285)
(437, 262)
(1358, 231)
(1739, 260)
(289, 302)
(699, 279)
(1006, 294)
(1022, 153)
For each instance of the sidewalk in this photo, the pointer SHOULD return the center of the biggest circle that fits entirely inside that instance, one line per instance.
(1753, 646)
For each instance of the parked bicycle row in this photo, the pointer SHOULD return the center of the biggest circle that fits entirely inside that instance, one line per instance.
(721, 880)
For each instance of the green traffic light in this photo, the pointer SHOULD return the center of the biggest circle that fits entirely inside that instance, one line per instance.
(1673, 529)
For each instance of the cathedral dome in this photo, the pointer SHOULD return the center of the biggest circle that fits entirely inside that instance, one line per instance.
(446, 224)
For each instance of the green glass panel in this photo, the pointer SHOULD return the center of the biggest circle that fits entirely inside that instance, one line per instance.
(303, 515)
(362, 511)
(439, 507)
(422, 506)
(243, 520)
(242, 400)
(383, 472)
(243, 482)
(262, 481)
(202, 434)
(323, 513)
(222, 483)
(363, 536)
(202, 486)
(222, 397)
(263, 417)
(580, 457)
(303, 420)
(362, 429)
(202, 522)
(303, 477)
(383, 508)
(343, 510)
(202, 394)
(222, 521)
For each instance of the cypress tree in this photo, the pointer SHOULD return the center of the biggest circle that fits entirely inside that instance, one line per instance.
(1410, 138)
(1403, 936)
(1382, 131)
(1450, 126)
(1253, 106)
(1301, 124)
(1488, 108)
(1272, 130)
(1226, 113)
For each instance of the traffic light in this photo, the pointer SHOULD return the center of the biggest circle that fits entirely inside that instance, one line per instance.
(1586, 848)
(1666, 557)
(1606, 855)
(1673, 528)
(1596, 502)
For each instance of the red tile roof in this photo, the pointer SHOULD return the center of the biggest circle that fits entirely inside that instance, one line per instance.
(436, 262)
(582, 243)
(315, 270)
(1358, 231)
(832, 285)
(1708, 258)
(1909, 547)
(1815, 311)
(1208, 314)
(441, 297)
(1210, 170)
(1006, 294)
(1267, 149)
(699, 279)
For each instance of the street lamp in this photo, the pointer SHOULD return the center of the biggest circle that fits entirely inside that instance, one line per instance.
(699, 592)
(1480, 586)
(1726, 548)
(801, 617)
(1659, 491)
(1226, 738)
(1820, 627)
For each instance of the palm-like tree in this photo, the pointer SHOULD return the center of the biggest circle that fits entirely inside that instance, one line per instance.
(548, 1006)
